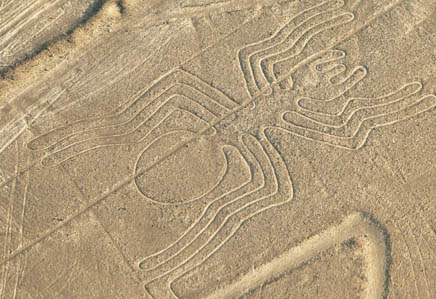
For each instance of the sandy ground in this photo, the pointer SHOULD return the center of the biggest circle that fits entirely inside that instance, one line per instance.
(217, 149)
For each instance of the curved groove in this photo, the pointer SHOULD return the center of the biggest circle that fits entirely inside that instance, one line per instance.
(327, 59)
(350, 118)
(309, 34)
(154, 258)
(160, 110)
(221, 206)
(288, 195)
(219, 181)
(244, 58)
(408, 89)
(114, 144)
(354, 226)
(211, 238)
(123, 113)
(360, 137)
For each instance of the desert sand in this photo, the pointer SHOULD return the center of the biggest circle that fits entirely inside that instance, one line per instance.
(217, 149)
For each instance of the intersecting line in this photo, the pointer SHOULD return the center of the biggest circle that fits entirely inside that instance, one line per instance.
(256, 96)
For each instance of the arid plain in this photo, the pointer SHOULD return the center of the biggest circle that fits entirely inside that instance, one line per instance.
(217, 149)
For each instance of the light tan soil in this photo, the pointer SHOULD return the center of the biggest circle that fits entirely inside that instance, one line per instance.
(218, 149)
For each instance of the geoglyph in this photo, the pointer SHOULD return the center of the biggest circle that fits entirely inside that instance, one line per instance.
(218, 149)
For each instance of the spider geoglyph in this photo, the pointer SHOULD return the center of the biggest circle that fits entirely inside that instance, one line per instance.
(268, 68)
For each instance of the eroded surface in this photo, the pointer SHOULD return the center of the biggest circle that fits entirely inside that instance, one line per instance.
(28, 26)
(225, 149)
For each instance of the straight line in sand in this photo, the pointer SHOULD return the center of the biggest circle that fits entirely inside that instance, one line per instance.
(218, 41)
(354, 226)
(199, 134)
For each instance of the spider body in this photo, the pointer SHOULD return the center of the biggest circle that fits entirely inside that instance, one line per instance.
(198, 161)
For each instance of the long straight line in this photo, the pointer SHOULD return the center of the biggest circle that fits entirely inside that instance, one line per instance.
(222, 38)
(199, 134)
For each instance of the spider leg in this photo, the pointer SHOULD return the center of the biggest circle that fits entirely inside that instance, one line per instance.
(214, 200)
(353, 131)
(328, 61)
(213, 216)
(351, 143)
(140, 107)
(146, 133)
(346, 105)
(136, 131)
(357, 110)
(293, 52)
(277, 190)
(423, 104)
(251, 70)
(160, 288)
(122, 114)
(188, 93)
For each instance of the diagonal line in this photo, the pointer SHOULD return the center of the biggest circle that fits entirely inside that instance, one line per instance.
(134, 273)
(212, 45)
(128, 180)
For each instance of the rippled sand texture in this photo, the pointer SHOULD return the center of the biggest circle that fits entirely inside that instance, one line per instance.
(217, 149)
